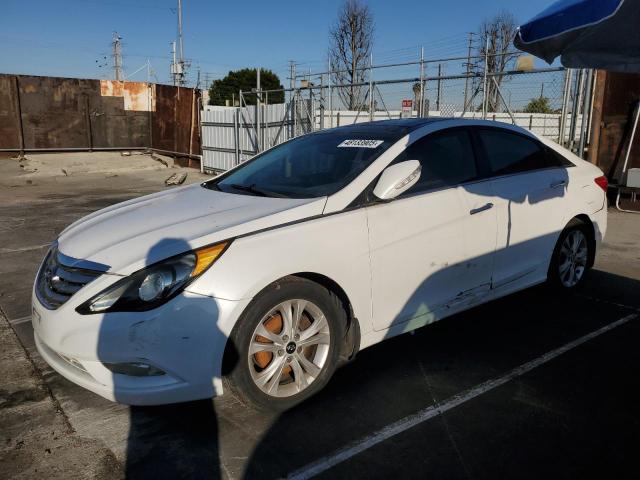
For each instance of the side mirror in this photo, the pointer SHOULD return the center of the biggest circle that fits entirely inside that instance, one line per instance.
(397, 179)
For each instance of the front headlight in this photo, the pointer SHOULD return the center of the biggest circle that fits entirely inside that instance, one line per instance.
(154, 285)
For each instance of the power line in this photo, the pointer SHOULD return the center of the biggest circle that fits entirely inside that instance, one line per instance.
(128, 5)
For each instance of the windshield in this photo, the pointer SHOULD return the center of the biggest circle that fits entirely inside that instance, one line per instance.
(309, 166)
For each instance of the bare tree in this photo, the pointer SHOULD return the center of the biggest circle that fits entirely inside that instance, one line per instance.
(499, 31)
(350, 42)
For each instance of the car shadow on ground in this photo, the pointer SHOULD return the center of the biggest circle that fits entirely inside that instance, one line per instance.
(405, 374)
(385, 383)
(173, 441)
(177, 440)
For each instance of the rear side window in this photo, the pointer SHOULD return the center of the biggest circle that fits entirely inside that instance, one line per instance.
(447, 158)
(558, 160)
(509, 153)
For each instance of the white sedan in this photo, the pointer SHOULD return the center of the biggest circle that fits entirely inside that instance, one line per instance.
(264, 279)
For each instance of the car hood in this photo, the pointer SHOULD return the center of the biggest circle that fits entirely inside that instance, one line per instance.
(130, 235)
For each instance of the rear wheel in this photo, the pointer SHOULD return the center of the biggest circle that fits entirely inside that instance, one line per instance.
(288, 343)
(570, 261)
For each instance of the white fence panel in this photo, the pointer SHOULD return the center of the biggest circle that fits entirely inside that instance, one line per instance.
(546, 125)
(230, 135)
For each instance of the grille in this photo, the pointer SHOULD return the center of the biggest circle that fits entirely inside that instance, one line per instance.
(57, 282)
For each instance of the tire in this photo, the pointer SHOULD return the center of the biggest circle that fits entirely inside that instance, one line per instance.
(572, 257)
(278, 366)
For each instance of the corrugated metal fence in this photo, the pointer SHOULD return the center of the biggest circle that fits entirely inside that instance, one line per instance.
(52, 113)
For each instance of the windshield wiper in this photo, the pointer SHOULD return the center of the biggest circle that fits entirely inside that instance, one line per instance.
(256, 190)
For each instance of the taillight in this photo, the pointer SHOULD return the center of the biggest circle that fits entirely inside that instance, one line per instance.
(602, 182)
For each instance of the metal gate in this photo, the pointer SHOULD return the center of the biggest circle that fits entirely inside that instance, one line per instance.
(232, 135)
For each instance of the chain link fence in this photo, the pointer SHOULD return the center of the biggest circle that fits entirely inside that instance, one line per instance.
(547, 101)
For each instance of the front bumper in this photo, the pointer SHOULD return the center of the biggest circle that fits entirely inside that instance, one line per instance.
(185, 338)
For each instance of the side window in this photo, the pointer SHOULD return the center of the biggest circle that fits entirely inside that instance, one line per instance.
(557, 160)
(511, 153)
(447, 158)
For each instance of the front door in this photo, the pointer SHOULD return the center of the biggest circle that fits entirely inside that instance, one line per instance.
(432, 248)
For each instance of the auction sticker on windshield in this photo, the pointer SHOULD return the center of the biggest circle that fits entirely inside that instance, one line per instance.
(361, 143)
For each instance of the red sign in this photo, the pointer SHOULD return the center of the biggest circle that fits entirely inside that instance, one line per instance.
(407, 108)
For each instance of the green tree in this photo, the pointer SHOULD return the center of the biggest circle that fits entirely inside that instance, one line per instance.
(245, 80)
(538, 105)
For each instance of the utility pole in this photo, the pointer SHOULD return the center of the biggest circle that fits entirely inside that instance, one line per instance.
(329, 80)
(258, 111)
(179, 65)
(180, 45)
(438, 97)
(371, 99)
(321, 102)
(292, 74)
(117, 56)
(484, 82)
(420, 106)
(175, 66)
(466, 80)
(292, 98)
(205, 80)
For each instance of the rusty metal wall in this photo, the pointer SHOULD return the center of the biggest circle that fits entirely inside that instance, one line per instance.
(9, 116)
(67, 113)
(175, 120)
(615, 98)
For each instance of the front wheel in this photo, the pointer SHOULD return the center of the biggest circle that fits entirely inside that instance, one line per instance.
(288, 342)
(570, 261)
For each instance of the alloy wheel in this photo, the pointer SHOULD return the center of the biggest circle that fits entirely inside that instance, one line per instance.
(289, 348)
(573, 258)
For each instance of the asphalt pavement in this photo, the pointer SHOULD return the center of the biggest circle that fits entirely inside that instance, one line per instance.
(534, 385)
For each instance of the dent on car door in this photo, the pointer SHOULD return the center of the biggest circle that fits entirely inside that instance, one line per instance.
(530, 190)
(421, 256)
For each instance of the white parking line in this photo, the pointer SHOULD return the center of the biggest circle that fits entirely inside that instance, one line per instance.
(315, 468)
(18, 321)
(608, 302)
(24, 249)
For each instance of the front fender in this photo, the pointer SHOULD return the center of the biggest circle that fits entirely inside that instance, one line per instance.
(335, 246)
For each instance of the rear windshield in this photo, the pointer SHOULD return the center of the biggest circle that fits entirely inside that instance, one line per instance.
(310, 166)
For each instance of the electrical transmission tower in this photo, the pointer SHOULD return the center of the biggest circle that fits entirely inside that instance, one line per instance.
(117, 55)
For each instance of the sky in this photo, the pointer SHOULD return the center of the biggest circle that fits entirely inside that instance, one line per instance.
(72, 37)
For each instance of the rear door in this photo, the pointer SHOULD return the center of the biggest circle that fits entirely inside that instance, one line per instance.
(530, 189)
(429, 249)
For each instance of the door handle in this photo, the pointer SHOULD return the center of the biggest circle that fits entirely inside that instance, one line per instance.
(481, 209)
(561, 183)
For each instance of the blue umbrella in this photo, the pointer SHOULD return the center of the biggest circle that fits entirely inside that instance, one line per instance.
(586, 34)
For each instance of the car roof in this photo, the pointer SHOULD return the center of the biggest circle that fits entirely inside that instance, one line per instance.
(395, 128)
(399, 127)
